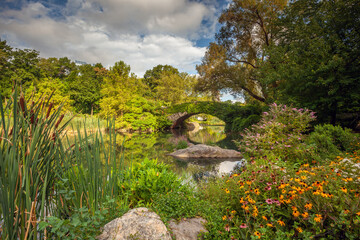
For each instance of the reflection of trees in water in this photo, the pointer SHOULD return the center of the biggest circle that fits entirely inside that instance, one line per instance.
(208, 135)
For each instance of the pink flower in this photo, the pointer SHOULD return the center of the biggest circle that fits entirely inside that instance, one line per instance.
(243, 225)
(268, 188)
(269, 201)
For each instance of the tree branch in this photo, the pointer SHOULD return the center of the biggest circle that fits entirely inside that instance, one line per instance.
(253, 94)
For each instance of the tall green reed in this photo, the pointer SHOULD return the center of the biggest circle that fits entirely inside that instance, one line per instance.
(30, 159)
(42, 174)
(93, 170)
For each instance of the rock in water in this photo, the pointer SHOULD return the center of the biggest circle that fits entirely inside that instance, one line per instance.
(138, 223)
(205, 151)
(187, 229)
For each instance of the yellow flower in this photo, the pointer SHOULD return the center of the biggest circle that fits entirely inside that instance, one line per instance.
(265, 218)
(257, 234)
(224, 218)
(269, 225)
(318, 218)
(344, 189)
(281, 223)
(305, 214)
(296, 213)
(299, 229)
(227, 190)
(308, 206)
(233, 212)
(256, 191)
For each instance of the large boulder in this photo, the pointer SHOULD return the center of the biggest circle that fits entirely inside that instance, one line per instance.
(205, 151)
(138, 223)
(187, 229)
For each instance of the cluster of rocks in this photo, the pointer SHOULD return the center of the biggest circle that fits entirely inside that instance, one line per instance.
(143, 224)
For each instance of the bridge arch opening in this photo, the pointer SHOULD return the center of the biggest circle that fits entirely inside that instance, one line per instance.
(205, 129)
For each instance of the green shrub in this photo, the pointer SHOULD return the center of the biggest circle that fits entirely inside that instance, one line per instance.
(177, 204)
(182, 144)
(279, 134)
(241, 123)
(147, 178)
(82, 224)
(331, 140)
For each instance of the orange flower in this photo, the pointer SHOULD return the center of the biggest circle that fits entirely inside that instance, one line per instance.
(257, 234)
(358, 213)
(305, 214)
(269, 225)
(343, 189)
(265, 218)
(281, 223)
(224, 218)
(299, 229)
(318, 218)
(296, 213)
(308, 206)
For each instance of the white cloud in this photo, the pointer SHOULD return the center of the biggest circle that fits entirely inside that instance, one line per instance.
(142, 33)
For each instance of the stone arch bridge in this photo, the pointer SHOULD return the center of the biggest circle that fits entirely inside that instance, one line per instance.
(225, 111)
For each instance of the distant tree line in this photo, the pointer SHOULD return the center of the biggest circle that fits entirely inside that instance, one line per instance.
(137, 103)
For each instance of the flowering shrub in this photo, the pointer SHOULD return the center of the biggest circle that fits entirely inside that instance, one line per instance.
(273, 202)
(279, 134)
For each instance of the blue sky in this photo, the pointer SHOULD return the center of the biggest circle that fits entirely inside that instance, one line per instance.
(143, 33)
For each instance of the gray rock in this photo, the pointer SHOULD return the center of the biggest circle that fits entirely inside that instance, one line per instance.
(138, 223)
(205, 151)
(187, 229)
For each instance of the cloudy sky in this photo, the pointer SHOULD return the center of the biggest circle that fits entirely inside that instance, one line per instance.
(143, 33)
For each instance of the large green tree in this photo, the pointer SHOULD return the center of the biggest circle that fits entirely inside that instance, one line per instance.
(85, 89)
(17, 65)
(315, 62)
(232, 62)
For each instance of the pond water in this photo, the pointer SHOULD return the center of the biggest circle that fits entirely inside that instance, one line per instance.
(159, 145)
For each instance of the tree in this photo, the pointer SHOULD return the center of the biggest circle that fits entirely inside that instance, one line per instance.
(118, 88)
(5, 69)
(317, 57)
(151, 77)
(18, 66)
(232, 63)
(85, 89)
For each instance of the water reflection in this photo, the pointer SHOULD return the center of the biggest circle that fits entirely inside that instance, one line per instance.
(159, 145)
(136, 147)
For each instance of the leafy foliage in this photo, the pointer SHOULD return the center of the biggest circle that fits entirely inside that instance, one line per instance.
(148, 178)
(331, 140)
(279, 134)
(315, 62)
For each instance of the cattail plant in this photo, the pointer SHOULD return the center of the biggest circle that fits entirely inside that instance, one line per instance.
(42, 174)
(31, 158)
